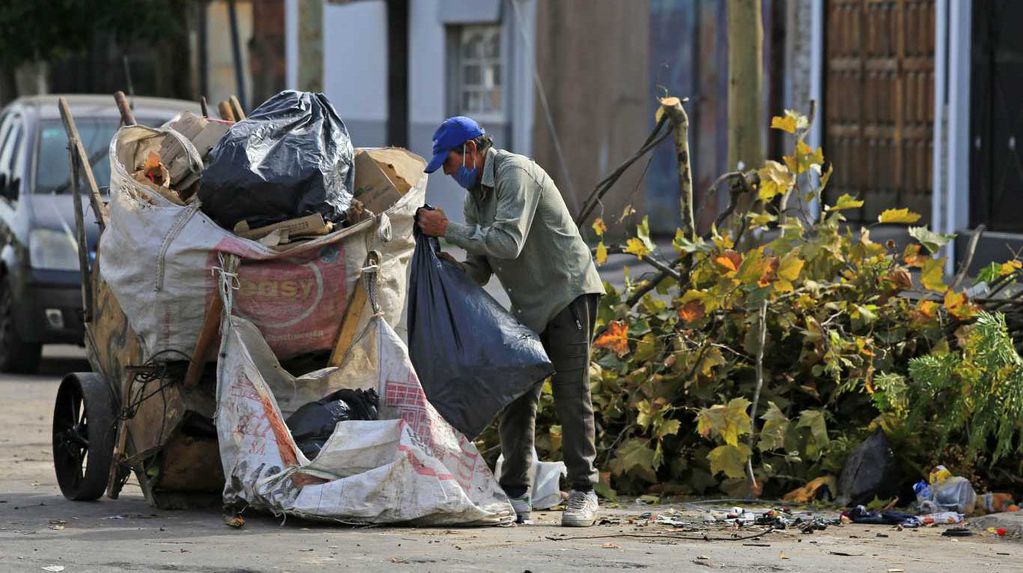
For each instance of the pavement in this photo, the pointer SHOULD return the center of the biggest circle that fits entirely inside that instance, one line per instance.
(42, 531)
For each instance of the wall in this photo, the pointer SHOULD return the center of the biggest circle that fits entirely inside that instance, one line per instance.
(355, 68)
(591, 56)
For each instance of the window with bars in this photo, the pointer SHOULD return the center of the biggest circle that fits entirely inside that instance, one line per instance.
(477, 72)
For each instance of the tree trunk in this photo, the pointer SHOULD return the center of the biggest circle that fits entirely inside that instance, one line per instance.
(310, 45)
(745, 90)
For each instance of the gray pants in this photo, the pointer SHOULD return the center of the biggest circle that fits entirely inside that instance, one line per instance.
(567, 341)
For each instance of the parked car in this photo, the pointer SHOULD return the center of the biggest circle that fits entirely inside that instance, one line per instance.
(40, 280)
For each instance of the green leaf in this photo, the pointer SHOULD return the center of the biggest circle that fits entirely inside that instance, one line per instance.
(665, 427)
(814, 421)
(929, 239)
(730, 459)
(634, 456)
(727, 422)
(776, 424)
(932, 277)
(605, 492)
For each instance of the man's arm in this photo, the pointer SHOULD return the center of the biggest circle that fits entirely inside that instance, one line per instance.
(517, 199)
(476, 266)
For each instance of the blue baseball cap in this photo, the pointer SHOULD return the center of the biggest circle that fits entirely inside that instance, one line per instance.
(450, 135)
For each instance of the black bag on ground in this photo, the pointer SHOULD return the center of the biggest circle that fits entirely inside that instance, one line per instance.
(870, 471)
(314, 422)
(472, 356)
(290, 158)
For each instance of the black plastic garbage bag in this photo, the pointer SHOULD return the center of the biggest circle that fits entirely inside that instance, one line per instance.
(870, 471)
(472, 356)
(290, 158)
(314, 422)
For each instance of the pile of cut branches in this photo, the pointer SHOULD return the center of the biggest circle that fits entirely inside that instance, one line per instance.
(773, 345)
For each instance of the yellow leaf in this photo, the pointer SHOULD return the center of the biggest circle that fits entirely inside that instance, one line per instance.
(898, 216)
(601, 255)
(846, 201)
(926, 311)
(727, 421)
(790, 267)
(932, 277)
(711, 358)
(787, 123)
(761, 219)
(615, 338)
(636, 247)
(730, 459)
(1010, 267)
(826, 176)
(775, 179)
(790, 122)
(959, 306)
(599, 227)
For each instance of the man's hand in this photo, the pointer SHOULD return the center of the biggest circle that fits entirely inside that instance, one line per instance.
(433, 222)
(447, 257)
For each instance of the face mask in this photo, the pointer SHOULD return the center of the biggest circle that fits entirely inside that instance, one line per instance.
(466, 177)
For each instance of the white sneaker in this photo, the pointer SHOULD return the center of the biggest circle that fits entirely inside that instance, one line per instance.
(581, 510)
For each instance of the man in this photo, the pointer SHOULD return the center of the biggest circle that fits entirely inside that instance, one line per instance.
(518, 228)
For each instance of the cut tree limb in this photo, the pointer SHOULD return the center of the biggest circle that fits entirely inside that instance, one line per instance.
(672, 108)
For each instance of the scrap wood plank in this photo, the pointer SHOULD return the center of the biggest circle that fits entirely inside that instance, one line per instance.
(349, 324)
(75, 141)
(236, 108)
(207, 336)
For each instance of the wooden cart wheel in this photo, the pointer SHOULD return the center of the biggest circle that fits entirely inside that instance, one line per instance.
(83, 435)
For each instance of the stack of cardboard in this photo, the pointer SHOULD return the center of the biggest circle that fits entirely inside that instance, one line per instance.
(383, 176)
(204, 134)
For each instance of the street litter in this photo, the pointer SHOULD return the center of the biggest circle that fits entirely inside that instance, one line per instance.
(546, 480)
(945, 492)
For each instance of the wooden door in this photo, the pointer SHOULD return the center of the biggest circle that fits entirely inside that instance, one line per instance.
(879, 103)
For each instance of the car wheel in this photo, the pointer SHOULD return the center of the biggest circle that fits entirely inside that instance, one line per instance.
(16, 355)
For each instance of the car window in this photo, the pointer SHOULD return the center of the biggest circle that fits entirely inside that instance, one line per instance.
(52, 169)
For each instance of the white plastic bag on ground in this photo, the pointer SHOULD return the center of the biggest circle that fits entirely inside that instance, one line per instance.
(409, 466)
(546, 477)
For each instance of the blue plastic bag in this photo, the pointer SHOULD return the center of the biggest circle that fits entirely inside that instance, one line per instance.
(472, 356)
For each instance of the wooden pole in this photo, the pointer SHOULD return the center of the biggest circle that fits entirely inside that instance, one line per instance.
(80, 236)
(127, 115)
(75, 141)
(225, 110)
(745, 89)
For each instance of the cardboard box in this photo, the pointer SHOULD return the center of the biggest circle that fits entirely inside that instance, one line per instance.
(383, 175)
